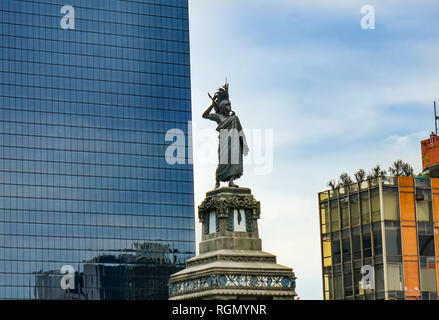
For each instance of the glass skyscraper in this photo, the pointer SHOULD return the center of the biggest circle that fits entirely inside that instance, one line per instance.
(87, 95)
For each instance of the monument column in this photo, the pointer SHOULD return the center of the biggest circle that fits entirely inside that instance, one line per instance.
(231, 263)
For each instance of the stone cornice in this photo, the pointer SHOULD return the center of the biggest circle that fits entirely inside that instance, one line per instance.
(233, 258)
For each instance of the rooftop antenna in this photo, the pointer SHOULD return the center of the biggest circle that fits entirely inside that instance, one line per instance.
(436, 117)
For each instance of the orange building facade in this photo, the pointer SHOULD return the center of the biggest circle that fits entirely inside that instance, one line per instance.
(380, 239)
(430, 151)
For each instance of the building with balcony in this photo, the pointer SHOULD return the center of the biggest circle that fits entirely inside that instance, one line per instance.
(380, 240)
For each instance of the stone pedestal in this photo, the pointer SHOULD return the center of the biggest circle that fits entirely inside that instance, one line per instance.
(231, 263)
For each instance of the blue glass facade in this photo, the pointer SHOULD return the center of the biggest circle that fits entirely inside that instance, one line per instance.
(83, 176)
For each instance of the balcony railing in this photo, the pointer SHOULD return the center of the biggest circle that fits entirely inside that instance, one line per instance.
(364, 185)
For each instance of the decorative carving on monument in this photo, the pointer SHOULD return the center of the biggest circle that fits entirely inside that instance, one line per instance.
(222, 205)
(248, 259)
(230, 221)
(207, 223)
(236, 281)
(249, 221)
(217, 223)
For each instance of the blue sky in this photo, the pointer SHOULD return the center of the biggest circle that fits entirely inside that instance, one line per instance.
(338, 98)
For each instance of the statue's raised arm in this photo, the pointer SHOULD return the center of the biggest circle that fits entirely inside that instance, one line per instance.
(207, 114)
(232, 142)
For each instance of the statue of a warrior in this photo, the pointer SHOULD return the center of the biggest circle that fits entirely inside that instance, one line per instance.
(232, 143)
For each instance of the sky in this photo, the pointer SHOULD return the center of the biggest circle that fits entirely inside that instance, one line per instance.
(336, 98)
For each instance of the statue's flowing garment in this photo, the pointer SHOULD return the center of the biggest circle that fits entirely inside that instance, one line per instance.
(232, 145)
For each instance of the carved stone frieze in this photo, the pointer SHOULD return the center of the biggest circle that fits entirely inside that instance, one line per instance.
(237, 281)
(223, 204)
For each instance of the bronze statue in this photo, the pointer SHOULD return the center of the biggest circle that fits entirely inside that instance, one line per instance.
(232, 143)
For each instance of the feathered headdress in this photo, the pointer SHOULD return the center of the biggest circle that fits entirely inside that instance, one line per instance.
(221, 95)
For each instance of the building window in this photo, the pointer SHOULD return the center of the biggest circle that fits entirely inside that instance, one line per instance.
(393, 240)
(428, 274)
(327, 282)
(346, 245)
(324, 216)
(390, 203)
(377, 239)
(344, 207)
(394, 277)
(380, 295)
(357, 279)
(365, 212)
(356, 243)
(355, 210)
(326, 244)
(348, 291)
(367, 242)
(323, 196)
(335, 215)
(338, 285)
(375, 201)
(428, 295)
(424, 210)
(426, 245)
(379, 278)
(336, 254)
